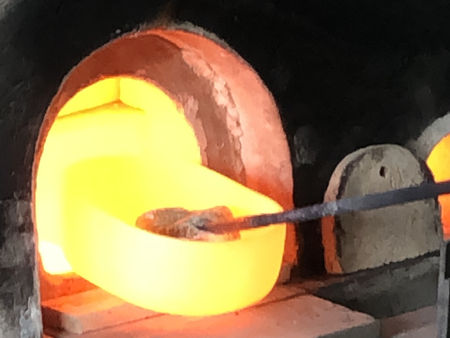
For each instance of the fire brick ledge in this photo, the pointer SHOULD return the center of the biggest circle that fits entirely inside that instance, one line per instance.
(286, 312)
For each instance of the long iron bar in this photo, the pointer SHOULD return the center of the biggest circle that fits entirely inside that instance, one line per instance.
(338, 207)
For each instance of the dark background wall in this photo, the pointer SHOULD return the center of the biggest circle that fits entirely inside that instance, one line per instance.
(347, 73)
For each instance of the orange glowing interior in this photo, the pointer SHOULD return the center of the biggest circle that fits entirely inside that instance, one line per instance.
(121, 147)
(439, 163)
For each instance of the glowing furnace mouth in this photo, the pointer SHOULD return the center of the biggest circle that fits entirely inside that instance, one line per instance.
(439, 163)
(117, 149)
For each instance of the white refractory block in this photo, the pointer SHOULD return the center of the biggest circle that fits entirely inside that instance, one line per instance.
(368, 239)
(89, 311)
(97, 310)
(303, 316)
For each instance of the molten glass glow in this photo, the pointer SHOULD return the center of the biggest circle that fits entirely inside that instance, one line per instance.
(439, 163)
(104, 164)
(55, 261)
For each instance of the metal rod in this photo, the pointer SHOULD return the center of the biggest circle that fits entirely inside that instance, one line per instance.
(338, 207)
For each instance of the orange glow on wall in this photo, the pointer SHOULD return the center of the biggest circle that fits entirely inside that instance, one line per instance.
(121, 147)
(439, 163)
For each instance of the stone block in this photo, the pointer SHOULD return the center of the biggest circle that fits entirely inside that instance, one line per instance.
(368, 239)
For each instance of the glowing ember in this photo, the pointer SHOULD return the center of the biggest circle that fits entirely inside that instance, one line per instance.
(117, 149)
(439, 163)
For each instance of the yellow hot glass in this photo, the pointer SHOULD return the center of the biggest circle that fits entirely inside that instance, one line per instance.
(105, 165)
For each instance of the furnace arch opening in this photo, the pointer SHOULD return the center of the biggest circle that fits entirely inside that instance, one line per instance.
(218, 124)
(439, 163)
(433, 147)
